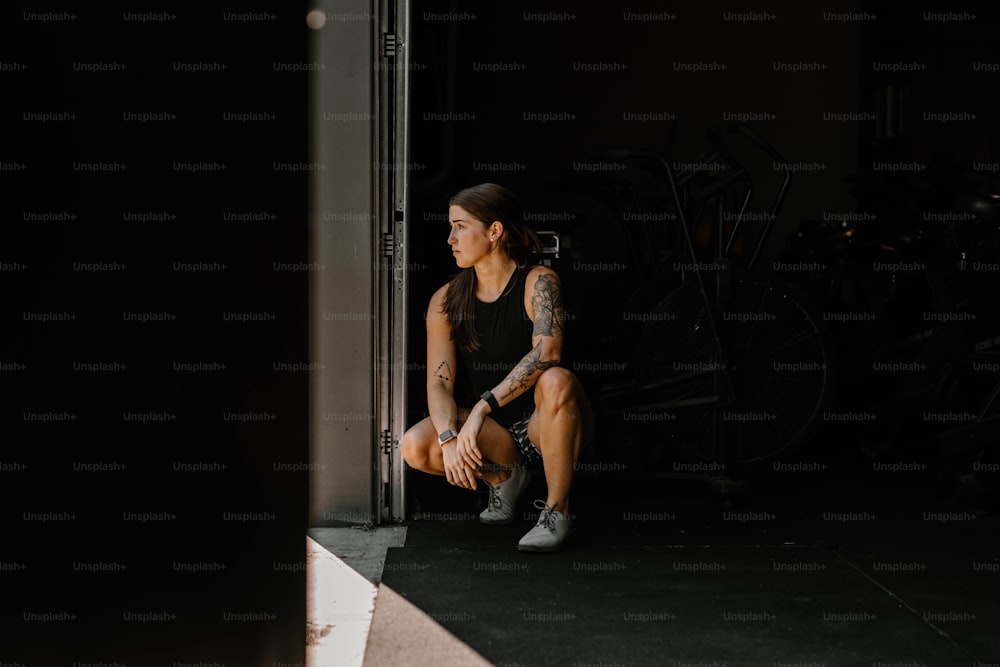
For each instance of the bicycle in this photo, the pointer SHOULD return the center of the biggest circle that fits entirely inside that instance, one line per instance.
(732, 364)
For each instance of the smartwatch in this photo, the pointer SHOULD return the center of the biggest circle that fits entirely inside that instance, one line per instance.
(446, 436)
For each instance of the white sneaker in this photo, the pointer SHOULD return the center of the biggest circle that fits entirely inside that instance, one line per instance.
(503, 497)
(552, 529)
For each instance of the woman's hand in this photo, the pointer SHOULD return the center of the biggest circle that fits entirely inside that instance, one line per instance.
(462, 457)
(467, 448)
(455, 471)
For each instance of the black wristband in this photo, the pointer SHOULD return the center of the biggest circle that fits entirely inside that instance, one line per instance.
(491, 400)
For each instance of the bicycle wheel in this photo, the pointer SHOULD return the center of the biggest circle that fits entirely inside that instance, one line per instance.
(781, 369)
(771, 379)
(676, 366)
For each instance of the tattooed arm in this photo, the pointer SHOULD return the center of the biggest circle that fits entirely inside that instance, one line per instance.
(441, 365)
(547, 314)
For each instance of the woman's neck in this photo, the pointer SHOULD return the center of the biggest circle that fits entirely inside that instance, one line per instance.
(492, 275)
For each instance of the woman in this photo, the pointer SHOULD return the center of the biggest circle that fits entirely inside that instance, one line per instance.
(505, 319)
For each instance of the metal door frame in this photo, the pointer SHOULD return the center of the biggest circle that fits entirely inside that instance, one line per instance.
(359, 196)
(394, 154)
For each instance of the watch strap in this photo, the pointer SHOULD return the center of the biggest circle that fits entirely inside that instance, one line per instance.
(491, 400)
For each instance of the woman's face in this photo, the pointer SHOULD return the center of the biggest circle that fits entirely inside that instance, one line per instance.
(469, 238)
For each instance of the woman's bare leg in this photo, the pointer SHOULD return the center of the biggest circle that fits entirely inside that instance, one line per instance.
(560, 425)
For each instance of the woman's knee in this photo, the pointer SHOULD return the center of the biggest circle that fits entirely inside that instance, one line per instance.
(413, 448)
(555, 385)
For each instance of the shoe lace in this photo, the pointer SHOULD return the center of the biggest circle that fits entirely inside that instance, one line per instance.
(494, 501)
(547, 517)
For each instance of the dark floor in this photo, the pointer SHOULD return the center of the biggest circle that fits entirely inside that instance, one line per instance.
(850, 565)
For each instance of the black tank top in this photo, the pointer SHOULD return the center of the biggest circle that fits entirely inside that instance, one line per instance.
(504, 338)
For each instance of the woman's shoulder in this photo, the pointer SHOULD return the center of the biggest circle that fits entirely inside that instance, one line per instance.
(438, 298)
(535, 272)
(440, 292)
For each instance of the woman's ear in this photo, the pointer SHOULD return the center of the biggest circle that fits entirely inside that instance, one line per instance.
(496, 230)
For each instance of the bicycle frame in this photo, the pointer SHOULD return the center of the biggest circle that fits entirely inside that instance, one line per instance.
(723, 253)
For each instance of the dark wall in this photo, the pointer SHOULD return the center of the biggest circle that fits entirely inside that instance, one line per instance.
(596, 72)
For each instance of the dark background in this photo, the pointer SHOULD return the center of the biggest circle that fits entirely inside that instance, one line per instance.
(447, 155)
(843, 216)
(192, 223)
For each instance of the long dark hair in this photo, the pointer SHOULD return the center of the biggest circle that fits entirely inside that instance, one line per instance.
(487, 202)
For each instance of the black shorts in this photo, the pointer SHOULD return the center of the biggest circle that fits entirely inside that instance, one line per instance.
(519, 431)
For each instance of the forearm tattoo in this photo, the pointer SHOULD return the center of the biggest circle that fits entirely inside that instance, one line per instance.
(547, 303)
(443, 371)
(520, 376)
